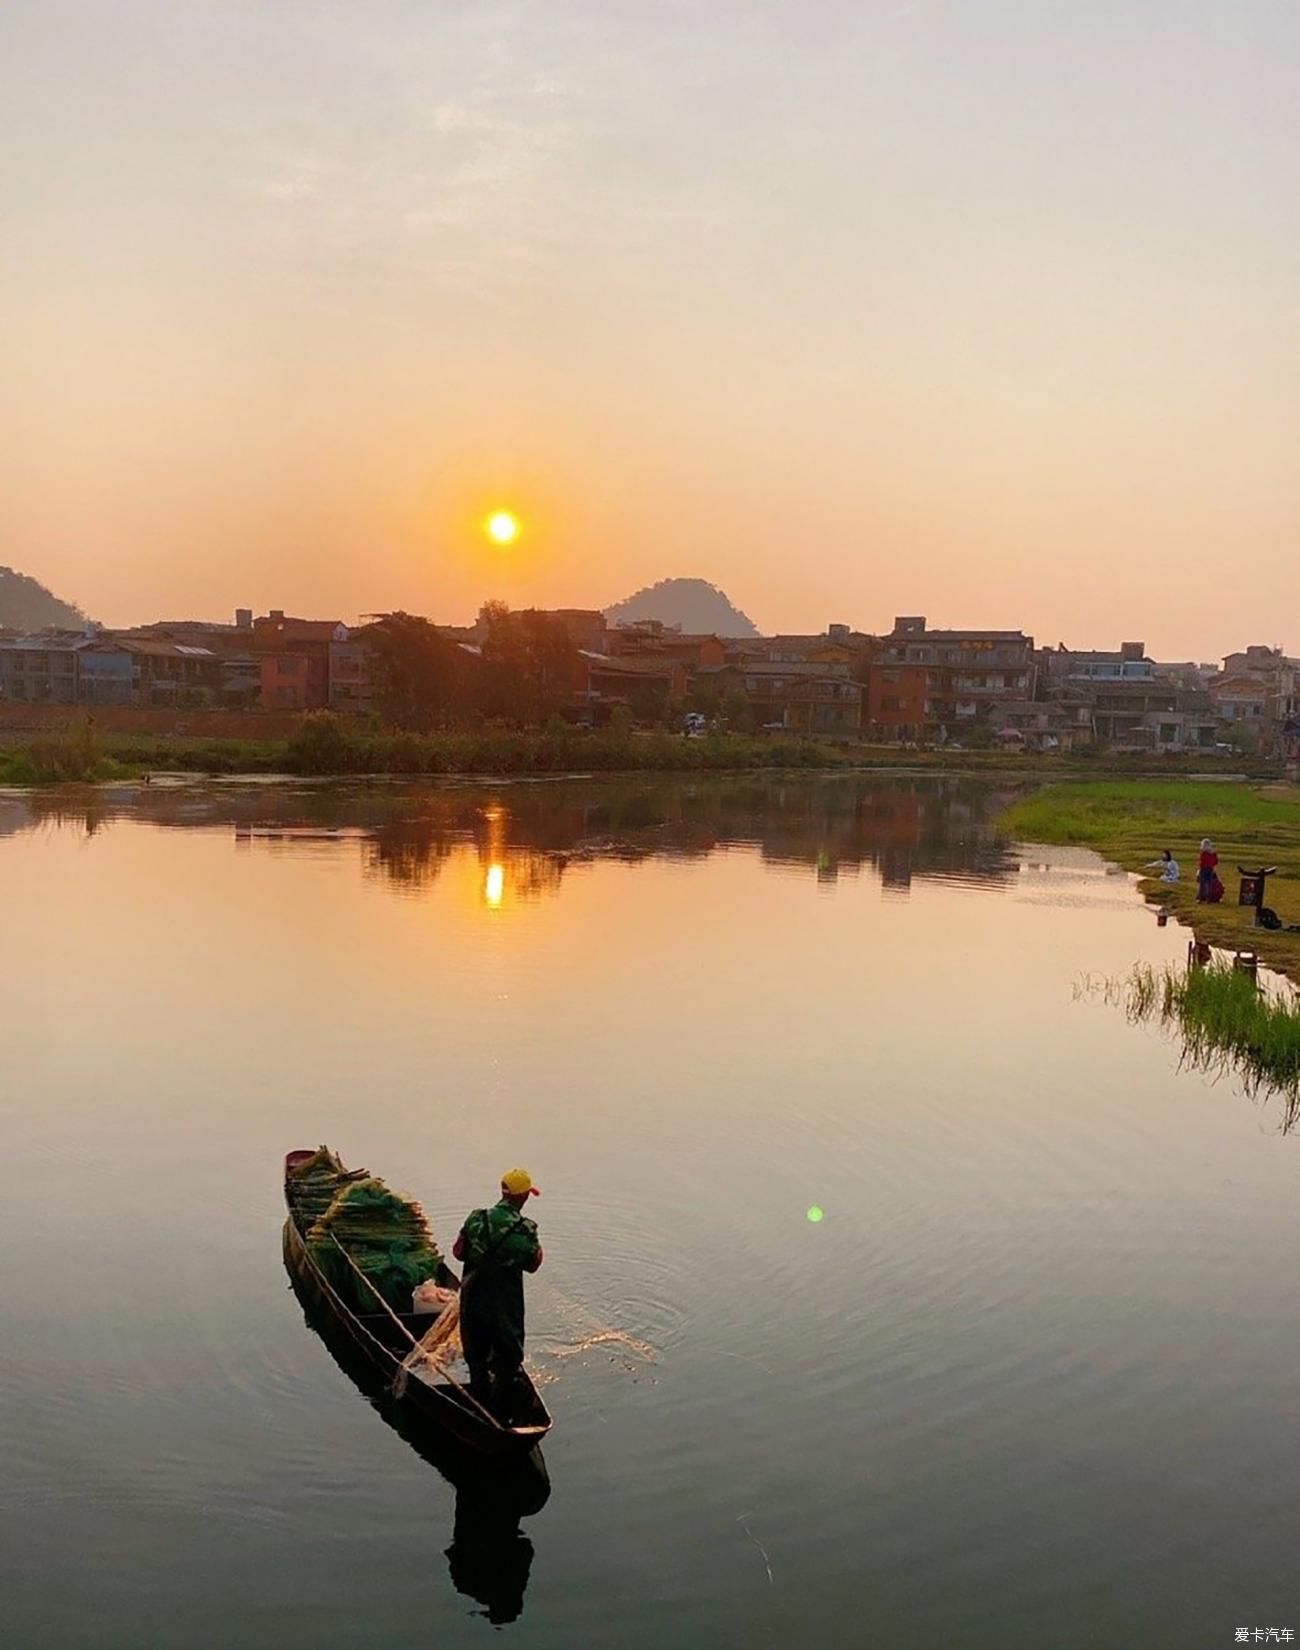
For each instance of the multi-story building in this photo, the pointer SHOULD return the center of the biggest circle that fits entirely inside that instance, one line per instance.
(650, 639)
(1136, 703)
(351, 679)
(294, 655)
(800, 696)
(41, 669)
(837, 644)
(1074, 667)
(898, 701)
(650, 687)
(824, 705)
(114, 670)
(240, 685)
(969, 672)
(1046, 724)
(1259, 689)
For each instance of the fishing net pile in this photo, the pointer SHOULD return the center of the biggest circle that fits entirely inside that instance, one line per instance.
(386, 1235)
(314, 1184)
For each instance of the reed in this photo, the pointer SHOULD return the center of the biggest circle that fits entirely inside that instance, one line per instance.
(1228, 1021)
(74, 755)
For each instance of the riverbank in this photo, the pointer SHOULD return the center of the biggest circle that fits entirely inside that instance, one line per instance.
(323, 747)
(88, 751)
(1130, 821)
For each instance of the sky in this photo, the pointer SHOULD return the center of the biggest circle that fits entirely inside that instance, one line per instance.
(982, 309)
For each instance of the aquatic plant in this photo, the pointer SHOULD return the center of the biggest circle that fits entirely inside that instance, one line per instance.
(1230, 1023)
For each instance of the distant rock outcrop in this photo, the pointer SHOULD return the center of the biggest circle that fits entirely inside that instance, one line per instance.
(693, 605)
(27, 605)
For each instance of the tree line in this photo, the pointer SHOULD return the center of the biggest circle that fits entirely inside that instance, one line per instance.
(523, 671)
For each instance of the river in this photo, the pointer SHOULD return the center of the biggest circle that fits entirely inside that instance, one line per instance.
(1032, 1380)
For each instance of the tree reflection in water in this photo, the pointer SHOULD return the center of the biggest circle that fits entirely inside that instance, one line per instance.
(528, 835)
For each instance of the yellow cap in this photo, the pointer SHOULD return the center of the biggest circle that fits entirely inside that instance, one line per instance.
(519, 1183)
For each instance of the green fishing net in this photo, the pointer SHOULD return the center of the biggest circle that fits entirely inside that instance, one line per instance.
(386, 1236)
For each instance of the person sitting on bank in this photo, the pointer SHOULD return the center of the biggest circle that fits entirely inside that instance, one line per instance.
(496, 1247)
(1167, 866)
(1205, 869)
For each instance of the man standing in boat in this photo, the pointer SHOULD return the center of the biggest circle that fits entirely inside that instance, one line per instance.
(496, 1247)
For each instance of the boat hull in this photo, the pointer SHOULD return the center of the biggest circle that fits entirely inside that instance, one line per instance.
(380, 1342)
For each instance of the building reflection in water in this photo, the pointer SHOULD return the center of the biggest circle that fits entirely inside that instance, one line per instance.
(528, 837)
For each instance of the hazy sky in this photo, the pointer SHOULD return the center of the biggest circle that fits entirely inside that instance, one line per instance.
(987, 309)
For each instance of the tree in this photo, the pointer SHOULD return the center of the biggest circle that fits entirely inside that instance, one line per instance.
(529, 664)
(421, 680)
(738, 713)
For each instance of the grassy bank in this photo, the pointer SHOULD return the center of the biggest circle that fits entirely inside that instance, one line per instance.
(1129, 822)
(73, 756)
(1225, 1020)
(326, 746)
(323, 744)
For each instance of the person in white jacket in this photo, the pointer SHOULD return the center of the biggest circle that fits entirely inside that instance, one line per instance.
(1167, 866)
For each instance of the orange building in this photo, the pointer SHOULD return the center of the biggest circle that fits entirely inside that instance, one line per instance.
(898, 701)
(294, 655)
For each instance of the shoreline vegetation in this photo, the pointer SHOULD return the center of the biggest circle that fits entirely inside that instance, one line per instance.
(326, 745)
(1227, 1022)
(1129, 821)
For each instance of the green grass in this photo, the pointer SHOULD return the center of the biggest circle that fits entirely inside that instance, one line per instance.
(73, 756)
(326, 746)
(1130, 821)
(1145, 812)
(1227, 1022)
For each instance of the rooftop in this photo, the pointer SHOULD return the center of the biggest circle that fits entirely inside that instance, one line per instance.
(148, 649)
(637, 665)
(57, 641)
(957, 636)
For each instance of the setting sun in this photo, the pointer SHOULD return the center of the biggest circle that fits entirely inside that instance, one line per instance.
(502, 527)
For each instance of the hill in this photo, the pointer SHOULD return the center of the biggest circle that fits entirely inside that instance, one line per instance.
(27, 605)
(692, 605)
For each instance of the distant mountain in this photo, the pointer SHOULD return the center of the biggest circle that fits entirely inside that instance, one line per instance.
(27, 605)
(693, 605)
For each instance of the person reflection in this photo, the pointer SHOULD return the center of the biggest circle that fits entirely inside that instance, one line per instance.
(490, 1557)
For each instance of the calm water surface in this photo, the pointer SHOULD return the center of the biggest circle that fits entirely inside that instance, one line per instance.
(1033, 1380)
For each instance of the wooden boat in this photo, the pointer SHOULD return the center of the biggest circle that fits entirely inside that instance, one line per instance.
(383, 1339)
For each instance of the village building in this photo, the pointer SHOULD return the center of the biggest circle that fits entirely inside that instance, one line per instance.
(799, 696)
(294, 660)
(119, 670)
(1258, 690)
(1046, 724)
(585, 627)
(969, 672)
(650, 688)
(41, 669)
(240, 684)
(649, 639)
(351, 676)
(898, 702)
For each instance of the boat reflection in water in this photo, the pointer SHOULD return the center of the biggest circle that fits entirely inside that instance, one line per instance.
(490, 1558)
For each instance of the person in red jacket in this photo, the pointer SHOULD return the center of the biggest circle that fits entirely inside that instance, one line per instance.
(1205, 869)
